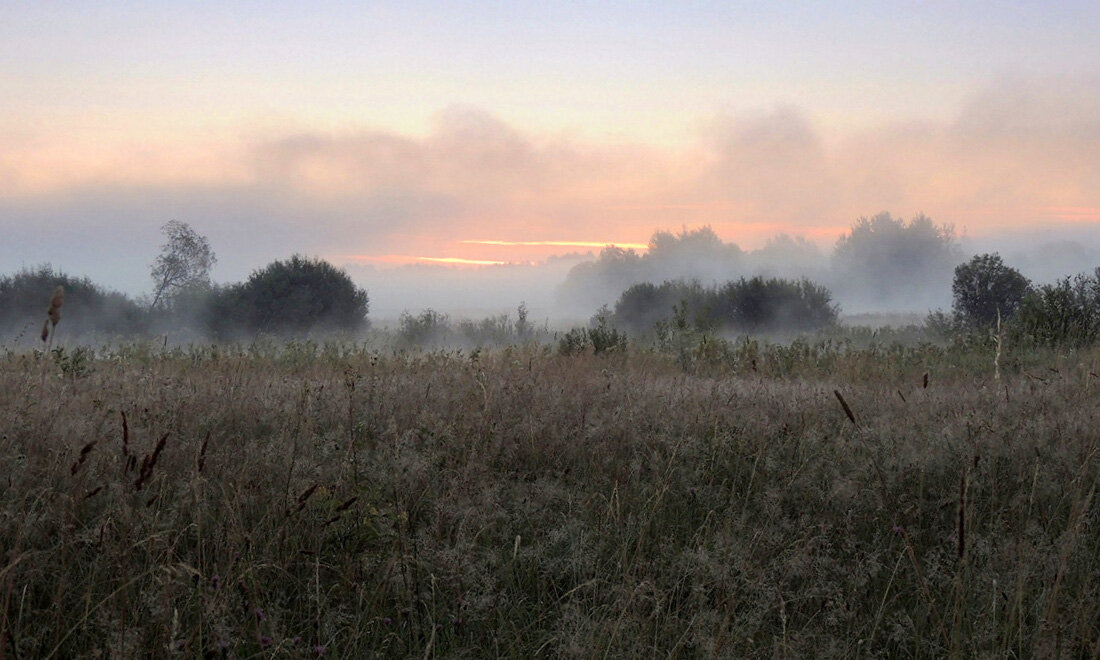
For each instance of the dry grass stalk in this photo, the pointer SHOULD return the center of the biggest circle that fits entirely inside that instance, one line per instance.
(844, 404)
(999, 340)
(149, 462)
(344, 506)
(963, 483)
(83, 457)
(125, 435)
(471, 484)
(202, 453)
(304, 498)
(49, 328)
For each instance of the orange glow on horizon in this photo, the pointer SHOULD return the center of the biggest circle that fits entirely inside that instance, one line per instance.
(408, 259)
(634, 246)
(1075, 213)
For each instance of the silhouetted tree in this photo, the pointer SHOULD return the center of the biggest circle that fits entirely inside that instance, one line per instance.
(886, 261)
(788, 256)
(691, 254)
(592, 283)
(184, 263)
(984, 287)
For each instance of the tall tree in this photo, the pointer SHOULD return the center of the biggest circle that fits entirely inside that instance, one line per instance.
(985, 287)
(887, 262)
(184, 262)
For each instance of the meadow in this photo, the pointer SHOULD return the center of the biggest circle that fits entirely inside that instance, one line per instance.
(790, 500)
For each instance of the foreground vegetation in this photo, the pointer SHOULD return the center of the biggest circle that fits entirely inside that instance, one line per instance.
(801, 500)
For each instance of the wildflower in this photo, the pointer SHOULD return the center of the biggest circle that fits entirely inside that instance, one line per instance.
(319, 650)
(260, 614)
(265, 641)
(898, 529)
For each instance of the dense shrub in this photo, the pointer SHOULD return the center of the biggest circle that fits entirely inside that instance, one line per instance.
(759, 304)
(1064, 313)
(288, 297)
(601, 336)
(747, 305)
(428, 328)
(644, 305)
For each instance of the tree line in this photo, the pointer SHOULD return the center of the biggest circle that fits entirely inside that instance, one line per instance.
(286, 297)
(881, 255)
(882, 262)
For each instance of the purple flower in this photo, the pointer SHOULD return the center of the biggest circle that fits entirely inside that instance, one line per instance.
(898, 529)
(265, 641)
(260, 614)
(387, 620)
(319, 649)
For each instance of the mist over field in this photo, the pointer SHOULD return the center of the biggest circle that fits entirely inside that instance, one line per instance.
(549, 329)
(474, 292)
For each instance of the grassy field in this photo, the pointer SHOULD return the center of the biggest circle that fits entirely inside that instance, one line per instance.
(329, 500)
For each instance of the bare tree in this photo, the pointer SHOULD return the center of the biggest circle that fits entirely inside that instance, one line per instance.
(184, 262)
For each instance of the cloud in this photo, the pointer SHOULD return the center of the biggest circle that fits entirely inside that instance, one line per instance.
(772, 166)
(1015, 154)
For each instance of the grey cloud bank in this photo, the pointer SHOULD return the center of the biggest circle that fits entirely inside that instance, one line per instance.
(1003, 172)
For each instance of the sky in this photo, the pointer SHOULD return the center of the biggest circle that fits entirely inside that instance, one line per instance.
(378, 134)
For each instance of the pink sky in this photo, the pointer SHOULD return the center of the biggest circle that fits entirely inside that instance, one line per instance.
(399, 131)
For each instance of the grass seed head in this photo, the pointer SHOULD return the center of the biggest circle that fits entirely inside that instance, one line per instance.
(53, 314)
(56, 301)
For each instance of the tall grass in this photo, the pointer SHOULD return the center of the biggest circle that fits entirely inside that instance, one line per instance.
(792, 501)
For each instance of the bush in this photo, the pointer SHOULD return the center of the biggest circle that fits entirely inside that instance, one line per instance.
(601, 337)
(429, 328)
(1066, 313)
(770, 305)
(747, 305)
(641, 307)
(291, 297)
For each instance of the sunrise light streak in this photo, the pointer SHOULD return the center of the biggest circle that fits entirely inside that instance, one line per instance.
(592, 244)
(408, 259)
